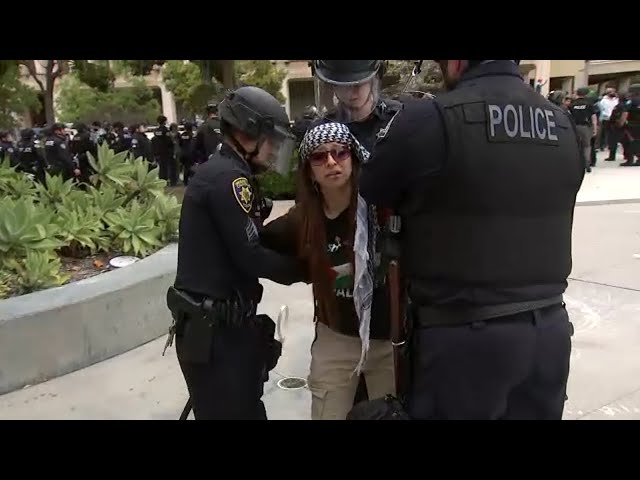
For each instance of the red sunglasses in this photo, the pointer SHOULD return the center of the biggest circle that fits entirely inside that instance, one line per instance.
(338, 154)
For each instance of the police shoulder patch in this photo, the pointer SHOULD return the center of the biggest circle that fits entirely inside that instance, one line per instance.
(242, 192)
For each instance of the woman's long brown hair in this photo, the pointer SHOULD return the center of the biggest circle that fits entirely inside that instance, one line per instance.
(312, 234)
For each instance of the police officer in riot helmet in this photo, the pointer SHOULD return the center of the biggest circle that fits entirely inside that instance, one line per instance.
(80, 147)
(356, 88)
(122, 141)
(208, 136)
(57, 155)
(29, 158)
(302, 123)
(486, 191)
(225, 350)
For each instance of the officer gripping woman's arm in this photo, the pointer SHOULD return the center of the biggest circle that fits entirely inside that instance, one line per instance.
(225, 350)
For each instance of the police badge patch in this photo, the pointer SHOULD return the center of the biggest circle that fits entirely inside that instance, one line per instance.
(242, 192)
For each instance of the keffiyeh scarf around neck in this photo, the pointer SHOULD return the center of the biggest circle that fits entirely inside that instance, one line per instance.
(364, 245)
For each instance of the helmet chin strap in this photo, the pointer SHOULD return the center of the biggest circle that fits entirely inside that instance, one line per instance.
(249, 156)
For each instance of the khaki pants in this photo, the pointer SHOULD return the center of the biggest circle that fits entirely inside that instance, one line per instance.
(331, 380)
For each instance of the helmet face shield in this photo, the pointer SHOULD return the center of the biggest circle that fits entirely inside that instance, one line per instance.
(281, 144)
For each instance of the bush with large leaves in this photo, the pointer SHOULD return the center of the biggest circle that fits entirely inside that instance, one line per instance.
(123, 210)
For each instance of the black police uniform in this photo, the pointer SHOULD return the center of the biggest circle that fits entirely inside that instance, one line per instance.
(80, 147)
(29, 158)
(220, 258)
(486, 190)
(58, 157)
(632, 131)
(582, 109)
(122, 142)
(186, 143)
(141, 146)
(207, 140)
(163, 151)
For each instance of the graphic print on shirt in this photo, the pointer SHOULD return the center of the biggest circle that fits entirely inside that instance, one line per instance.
(342, 273)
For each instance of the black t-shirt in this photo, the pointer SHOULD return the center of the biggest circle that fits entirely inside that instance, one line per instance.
(339, 248)
(632, 106)
(581, 110)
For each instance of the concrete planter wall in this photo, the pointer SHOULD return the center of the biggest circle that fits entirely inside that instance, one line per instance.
(53, 332)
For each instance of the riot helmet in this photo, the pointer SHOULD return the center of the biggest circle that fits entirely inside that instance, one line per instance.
(212, 108)
(556, 96)
(260, 117)
(355, 85)
(27, 133)
(310, 111)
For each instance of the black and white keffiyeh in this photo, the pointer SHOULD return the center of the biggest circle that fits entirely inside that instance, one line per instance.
(364, 245)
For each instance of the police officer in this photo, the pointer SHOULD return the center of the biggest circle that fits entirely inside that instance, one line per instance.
(7, 148)
(186, 146)
(122, 142)
(223, 355)
(208, 136)
(630, 120)
(301, 125)
(29, 158)
(80, 147)
(486, 189)
(140, 144)
(356, 86)
(57, 155)
(586, 121)
(616, 130)
(162, 147)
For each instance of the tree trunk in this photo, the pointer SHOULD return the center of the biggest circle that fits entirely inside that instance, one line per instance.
(228, 74)
(49, 111)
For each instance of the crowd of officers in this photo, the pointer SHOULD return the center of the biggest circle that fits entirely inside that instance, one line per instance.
(55, 151)
(598, 128)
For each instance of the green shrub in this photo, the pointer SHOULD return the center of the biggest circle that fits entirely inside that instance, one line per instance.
(125, 209)
(37, 270)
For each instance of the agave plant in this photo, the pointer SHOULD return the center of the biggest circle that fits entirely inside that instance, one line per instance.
(80, 228)
(55, 189)
(5, 284)
(111, 168)
(25, 227)
(36, 271)
(12, 183)
(133, 229)
(106, 199)
(167, 214)
(144, 183)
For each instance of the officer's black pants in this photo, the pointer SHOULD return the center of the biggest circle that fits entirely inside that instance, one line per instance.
(231, 385)
(168, 170)
(515, 367)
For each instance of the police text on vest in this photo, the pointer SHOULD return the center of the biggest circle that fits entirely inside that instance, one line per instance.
(521, 123)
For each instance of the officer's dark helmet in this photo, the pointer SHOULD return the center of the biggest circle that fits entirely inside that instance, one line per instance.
(58, 127)
(583, 92)
(310, 111)
(4, 134)
(348, 72)
(162, 120)
(258, 115)
(212, 108)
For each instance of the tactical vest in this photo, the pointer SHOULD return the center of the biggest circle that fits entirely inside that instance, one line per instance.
(500, 213)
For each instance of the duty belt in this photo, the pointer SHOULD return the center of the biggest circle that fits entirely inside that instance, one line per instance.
(442, 316)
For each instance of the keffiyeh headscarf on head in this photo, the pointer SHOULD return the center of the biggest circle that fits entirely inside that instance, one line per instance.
(364, 245)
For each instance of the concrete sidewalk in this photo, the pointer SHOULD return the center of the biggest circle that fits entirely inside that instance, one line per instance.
(603, 300)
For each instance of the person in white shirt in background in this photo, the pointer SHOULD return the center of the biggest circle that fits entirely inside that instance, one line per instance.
(606, 136)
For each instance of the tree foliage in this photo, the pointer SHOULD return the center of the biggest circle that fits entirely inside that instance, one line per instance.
(95, 74)
(15, 97)
(399, 72)
(135, 104)
(263, 74)
(184, 80)
(52, 71)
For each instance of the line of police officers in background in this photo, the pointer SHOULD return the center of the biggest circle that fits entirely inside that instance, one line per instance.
(55, 151)
(623, 126)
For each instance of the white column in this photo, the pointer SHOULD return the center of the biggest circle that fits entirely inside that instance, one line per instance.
(168, 102)
(623, 84)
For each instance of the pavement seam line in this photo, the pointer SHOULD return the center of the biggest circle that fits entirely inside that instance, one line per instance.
(604, 284)
(609, 403)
